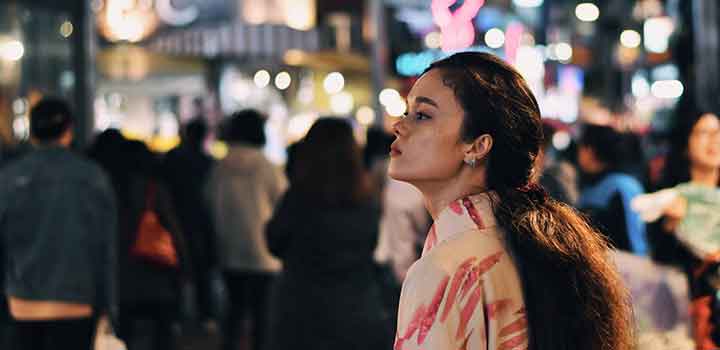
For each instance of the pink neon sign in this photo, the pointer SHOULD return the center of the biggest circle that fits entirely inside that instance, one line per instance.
(513, 37)
(458, 31)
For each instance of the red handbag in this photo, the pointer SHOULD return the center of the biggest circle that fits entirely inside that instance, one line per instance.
(153, 242)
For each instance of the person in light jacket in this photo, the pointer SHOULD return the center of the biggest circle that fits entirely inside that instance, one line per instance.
(243, 189)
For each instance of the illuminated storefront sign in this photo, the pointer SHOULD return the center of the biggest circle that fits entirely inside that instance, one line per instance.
(175, 16)
(296, 14)
(136, 20)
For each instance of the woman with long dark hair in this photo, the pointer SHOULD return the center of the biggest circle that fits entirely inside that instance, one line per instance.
(504, 266)
(325, 231)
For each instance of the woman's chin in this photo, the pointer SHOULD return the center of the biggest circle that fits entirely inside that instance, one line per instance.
(397, 174)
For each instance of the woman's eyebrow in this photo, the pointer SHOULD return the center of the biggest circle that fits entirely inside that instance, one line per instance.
(423, 99)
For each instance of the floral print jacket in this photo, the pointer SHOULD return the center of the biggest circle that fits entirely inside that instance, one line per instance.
(464, 292)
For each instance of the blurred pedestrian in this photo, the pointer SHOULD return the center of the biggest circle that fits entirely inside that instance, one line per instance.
(325, 230)
(149, 285)
(290, 163)
(557, 176)
(186, 169)
(243, 190)
(504, 266)
(58, 224)
(693, 170)
(608, 189)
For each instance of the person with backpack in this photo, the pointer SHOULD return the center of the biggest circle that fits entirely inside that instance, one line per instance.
(153, 262)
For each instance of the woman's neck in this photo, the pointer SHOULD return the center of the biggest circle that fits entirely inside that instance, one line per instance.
(439, 195)
(705, 176)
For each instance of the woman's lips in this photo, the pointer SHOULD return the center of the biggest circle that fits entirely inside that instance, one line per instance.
(394, 151)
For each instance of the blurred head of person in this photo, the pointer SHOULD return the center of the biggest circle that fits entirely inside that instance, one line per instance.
(142, 160)
(107, 149)
(377, 146)
(195, 131)
(246, 127)
(473, 125)
(290, 162)
(328, 166)
(695, 146)
(543, 157)
(549, 131)
(51, 122)
(601, 148)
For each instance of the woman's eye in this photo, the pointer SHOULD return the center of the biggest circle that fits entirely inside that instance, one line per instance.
(421, 116)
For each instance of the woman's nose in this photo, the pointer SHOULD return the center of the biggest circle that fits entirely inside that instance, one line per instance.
(398, 127)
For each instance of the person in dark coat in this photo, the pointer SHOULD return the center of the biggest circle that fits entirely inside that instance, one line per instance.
(147, 291)
(185, 170)
(57, 232)
(325, 231)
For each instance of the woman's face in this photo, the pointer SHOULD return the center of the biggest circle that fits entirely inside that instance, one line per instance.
(428, 147)
(704, 142)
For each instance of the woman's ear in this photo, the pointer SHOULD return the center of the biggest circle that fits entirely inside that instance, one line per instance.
(478, 150)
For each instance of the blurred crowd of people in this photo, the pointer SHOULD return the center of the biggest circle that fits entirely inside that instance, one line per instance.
(309, 257)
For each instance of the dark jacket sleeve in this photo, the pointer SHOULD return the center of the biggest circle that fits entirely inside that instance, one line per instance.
(107, 259)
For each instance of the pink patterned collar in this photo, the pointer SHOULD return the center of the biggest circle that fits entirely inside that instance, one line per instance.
(473, 212)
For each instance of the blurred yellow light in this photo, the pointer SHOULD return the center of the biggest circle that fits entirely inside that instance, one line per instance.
(12, 50)
(66, 29)
(561, 140)
(283, 80)
(334, 83)
(495, 38)
(563, 51)
(262, 78)
(433, 40)
(342, 103)
(365, 115)
(667, 89)
(630, 38)
(300, 14)
(126, 20)
(397, 108)
(587, 12)
(219, 150)
(389, 96)
(657, 32)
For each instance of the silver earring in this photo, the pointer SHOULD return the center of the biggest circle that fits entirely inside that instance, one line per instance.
(472, 162)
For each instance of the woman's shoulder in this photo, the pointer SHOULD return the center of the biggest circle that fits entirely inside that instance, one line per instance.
(473, 245)
(463, 263)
